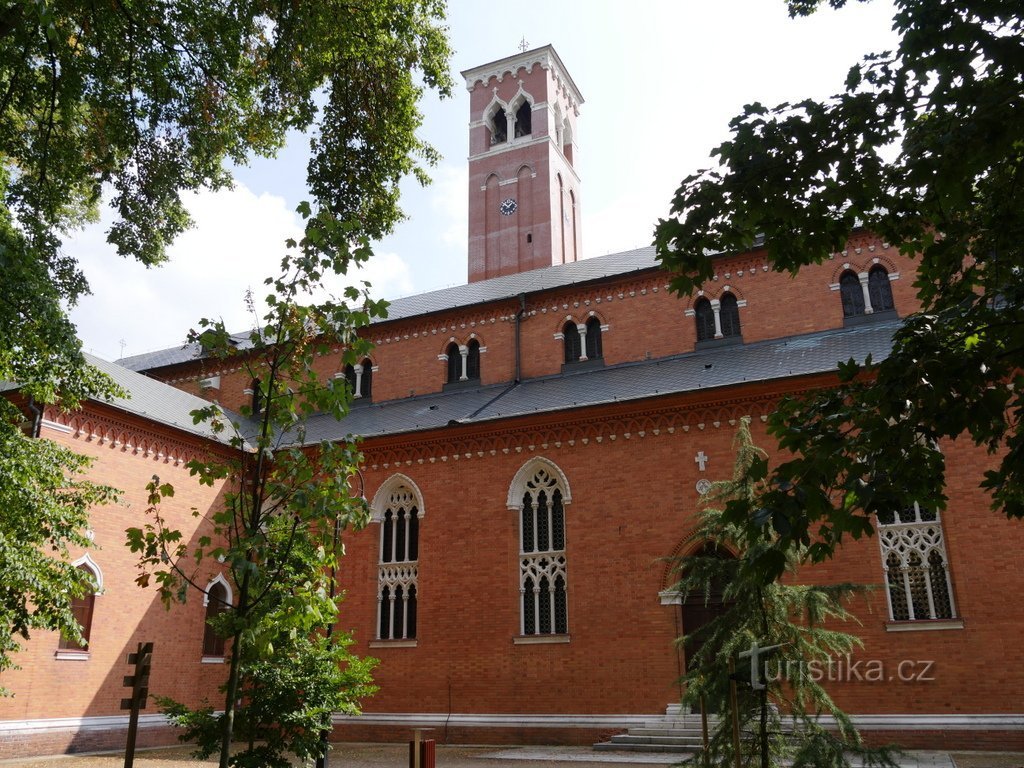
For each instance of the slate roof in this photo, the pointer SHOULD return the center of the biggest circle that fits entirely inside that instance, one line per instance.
(484, 291)
(704, 370)
(159, 402)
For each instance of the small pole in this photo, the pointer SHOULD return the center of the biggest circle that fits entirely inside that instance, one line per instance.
(734, 706)
(704, 730)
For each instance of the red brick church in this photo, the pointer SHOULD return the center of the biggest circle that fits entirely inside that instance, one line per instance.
(536, 443)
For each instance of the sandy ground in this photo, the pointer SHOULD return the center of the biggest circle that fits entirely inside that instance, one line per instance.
(396, 756)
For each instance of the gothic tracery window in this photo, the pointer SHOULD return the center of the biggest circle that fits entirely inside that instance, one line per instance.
(398, 573)
(542, 559)
(917, 577)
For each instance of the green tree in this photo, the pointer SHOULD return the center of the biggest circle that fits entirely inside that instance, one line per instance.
(924, 147)
(779, 724)
(277, 531)
(136, 101)
(43, 514)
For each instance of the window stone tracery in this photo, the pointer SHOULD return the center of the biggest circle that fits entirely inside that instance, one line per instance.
(542, 496)
(398, 509)
(916, 567)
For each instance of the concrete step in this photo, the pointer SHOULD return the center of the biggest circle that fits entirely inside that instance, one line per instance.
(632, 738)
(662, 731)
(608, 746)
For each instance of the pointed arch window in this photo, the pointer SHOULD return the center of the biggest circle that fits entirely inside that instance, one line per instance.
(540, 495)
(454, 363)
(217, 601)
(571, 342)
(593, 344)
(473, 360)
(499, 126)
(398, 573)
(880, 289)
(729, 315)
(852, 294)
(918, 584)
(705, 317)
(82, 608)
(524, 119)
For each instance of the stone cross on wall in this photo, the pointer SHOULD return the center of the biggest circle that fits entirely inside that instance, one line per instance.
(701, 460)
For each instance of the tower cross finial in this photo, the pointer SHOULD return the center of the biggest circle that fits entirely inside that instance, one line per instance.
(523, 45)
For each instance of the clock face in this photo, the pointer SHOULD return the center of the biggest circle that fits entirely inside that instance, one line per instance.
(508, 207)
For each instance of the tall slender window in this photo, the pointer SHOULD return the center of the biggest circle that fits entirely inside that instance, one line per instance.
(454, 362)
(729, 315)
(82, 609)
(499, 126)
(571, 341)
(398, 572)
(524, 121)
(916, 567)
(540, 496)
(880, 289)
(473, 360)
(218, 601)
(852, 294)
(593, 339)
(705, 319)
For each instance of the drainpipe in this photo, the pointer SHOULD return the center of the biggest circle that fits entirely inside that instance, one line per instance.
(519, 316)
(37, 417)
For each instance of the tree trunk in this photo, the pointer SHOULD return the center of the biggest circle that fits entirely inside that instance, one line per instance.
(231, 692)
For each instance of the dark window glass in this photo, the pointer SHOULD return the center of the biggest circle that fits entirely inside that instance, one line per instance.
(705, 320)
(527, 523)
(524, 119)
(557, 521)
(561, 624)
(545, 606)
(852, 295)
(386, 536)
(529, 618)
(542, 522)
(385, 613)
(216, 604)
(897, 592)
(593, 338)
(366, 382)
(401, 522)
(454, 363)
(729, 315)
(940, 586)
(473, 360)
(397, 620)
(571, 336)
(350, 377)
(257, 397)
(880, 289)
(499, 127)
(414, 534)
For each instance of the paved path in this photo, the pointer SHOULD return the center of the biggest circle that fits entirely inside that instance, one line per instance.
(395, 756)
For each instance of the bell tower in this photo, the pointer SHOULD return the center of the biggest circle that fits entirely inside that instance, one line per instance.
(524, 192)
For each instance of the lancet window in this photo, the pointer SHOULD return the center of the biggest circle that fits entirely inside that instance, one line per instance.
(398, 573)
(542, 499)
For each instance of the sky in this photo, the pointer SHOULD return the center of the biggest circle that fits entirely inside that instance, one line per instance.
(660, 80)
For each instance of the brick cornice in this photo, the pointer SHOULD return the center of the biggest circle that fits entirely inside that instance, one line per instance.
(606, 424)
(139, 438)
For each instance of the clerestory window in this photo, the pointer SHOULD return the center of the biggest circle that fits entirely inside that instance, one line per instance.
(867, 293)
(360, 379)
(918, 584)
(717, 319)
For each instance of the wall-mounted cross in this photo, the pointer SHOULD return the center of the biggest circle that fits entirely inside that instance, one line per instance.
(701, 460)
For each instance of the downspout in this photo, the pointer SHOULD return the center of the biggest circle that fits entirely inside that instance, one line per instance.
(37, 417)
(519, 316)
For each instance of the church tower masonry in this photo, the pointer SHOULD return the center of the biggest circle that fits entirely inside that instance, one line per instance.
(524, 192)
